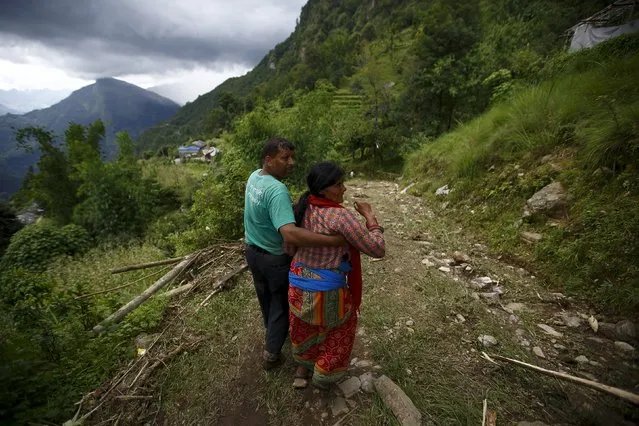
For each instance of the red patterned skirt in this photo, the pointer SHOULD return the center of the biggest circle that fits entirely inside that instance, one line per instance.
(322, 328)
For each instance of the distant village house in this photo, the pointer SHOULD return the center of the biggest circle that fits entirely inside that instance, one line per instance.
(196, 151)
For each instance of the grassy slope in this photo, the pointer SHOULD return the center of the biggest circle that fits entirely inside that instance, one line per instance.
(580, 128)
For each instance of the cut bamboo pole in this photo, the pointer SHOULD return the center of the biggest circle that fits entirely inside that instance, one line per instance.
(147, 265)
(126, 309)
(120, 286)
(177, 290)
(620, 393)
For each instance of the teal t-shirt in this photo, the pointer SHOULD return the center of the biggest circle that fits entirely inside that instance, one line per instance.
(267, 207)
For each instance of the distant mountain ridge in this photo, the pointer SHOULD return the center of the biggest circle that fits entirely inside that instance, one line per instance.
(6, 110)
(23, 101)
(120, 105)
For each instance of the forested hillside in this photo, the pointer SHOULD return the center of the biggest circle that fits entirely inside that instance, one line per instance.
(419, 67)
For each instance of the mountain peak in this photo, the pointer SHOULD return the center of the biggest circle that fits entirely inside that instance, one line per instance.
(111, 80)
(120, 105)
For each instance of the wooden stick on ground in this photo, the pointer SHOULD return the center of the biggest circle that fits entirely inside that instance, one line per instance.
(126, 309)
(620, 393)
(133, 397)
(147, 265)
(219, 285)
(177, 290)
(121, 286)
(483, 416)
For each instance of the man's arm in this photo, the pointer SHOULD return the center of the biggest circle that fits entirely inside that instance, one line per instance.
(301, 237)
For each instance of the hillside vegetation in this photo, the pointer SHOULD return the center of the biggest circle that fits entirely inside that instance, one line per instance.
(419, 66)
(580, 128)
(119, 105)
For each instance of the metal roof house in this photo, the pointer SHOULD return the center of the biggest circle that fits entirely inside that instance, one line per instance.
(188, 151)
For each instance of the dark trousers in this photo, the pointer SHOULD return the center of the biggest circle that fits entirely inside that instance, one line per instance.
(270, 277)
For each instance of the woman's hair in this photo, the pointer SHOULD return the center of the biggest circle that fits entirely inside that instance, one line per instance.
(321, 176)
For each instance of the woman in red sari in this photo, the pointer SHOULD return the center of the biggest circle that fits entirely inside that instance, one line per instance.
(325, 288)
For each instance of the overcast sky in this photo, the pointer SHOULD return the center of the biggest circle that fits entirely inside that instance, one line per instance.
(66, 44)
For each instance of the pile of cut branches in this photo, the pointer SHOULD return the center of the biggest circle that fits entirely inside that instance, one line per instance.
(130, 393)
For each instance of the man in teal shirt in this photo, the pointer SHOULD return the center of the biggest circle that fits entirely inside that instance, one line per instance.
(269, 224)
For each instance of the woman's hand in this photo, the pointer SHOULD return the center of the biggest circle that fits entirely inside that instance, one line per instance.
(365, 210)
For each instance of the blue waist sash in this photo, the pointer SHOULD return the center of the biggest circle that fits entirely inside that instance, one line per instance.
(328, 279)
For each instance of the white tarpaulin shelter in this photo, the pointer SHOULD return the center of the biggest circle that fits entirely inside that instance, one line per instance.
(587, 35)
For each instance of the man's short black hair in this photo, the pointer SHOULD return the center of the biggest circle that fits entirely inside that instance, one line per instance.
(273, 145)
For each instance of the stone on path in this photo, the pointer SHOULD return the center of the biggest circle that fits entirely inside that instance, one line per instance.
(531, 237)
(487, 340)
(350, 386)
(490, 295)
(444, 268)
(581, 359)
(399, 403)
(594, 324)
(549, 330)
(442, 190)
(480, 282)
(537, 351)
(626, 330)
(624, 347)
(428, 263)
(608, 330)
(366, 380)
(570, 320)
(515, 307)
(338, 406)
(364, 363)
(460, 257)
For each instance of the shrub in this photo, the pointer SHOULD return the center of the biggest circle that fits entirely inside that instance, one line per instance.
(34, 246)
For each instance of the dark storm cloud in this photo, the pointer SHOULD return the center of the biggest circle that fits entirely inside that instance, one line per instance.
(114, 37)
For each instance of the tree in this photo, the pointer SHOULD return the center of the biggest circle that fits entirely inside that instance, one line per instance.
(444, 70)
(51, 186)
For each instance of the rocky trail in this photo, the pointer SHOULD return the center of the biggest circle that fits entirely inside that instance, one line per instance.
(438, 299)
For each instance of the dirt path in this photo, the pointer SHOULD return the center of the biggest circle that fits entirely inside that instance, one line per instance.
(420, 323)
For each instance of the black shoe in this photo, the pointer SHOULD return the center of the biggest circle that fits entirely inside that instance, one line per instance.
(270, 361)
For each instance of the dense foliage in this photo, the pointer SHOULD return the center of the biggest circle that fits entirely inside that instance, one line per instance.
(579, 128)
(74, 185)
(439, 62)
(48, 357)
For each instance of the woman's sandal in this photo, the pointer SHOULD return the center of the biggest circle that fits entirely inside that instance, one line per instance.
(301, 378)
